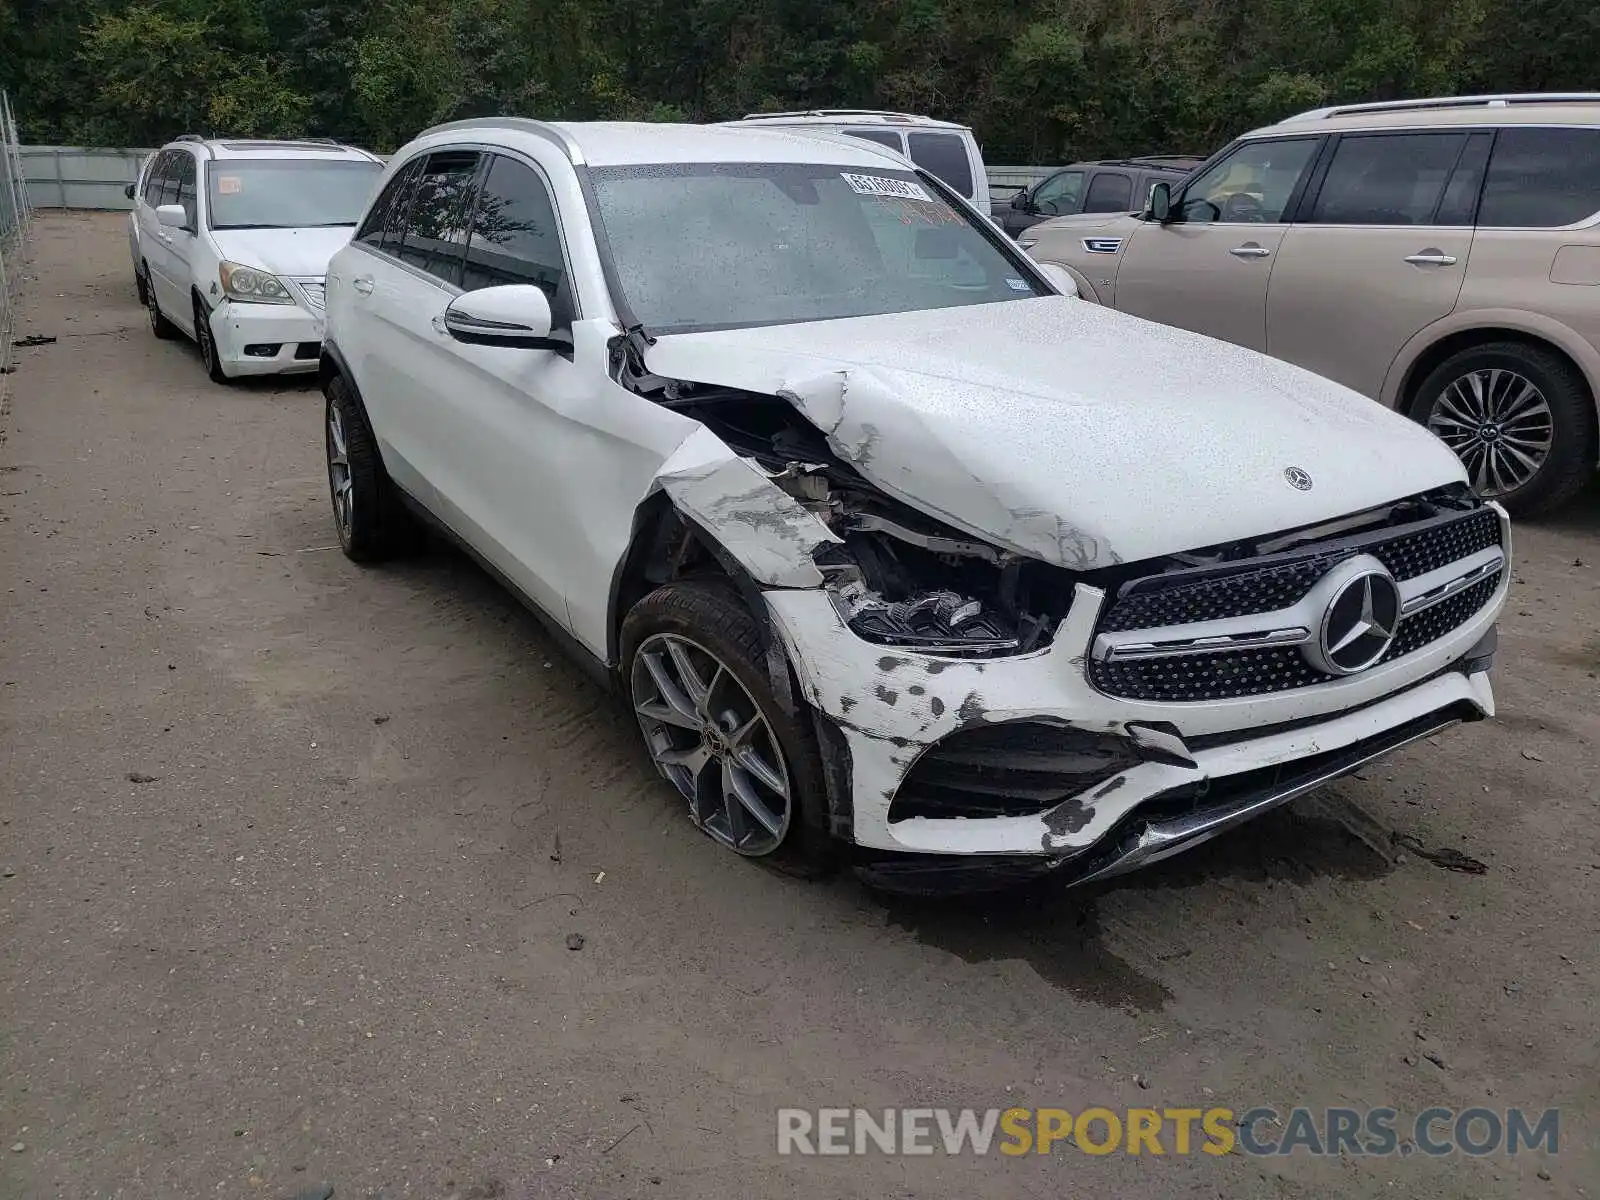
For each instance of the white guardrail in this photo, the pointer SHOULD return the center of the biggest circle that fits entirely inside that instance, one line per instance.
(94, 177)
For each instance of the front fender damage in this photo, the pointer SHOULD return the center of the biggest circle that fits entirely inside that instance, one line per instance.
(754, 521)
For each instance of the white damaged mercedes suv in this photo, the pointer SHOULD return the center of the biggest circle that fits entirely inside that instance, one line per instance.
(888, 540)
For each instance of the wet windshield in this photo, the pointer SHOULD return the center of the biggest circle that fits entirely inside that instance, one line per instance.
(288, 193)
(726, 245)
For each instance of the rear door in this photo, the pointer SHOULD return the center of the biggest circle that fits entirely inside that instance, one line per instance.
(1378, 254)
(149, 198)
(1207, 269)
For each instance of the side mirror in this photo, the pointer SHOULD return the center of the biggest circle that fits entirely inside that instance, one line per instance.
(128, 191)
(1061, 278)
(1160, 206)
(515, 315)
(1021, 201)
(173, 216)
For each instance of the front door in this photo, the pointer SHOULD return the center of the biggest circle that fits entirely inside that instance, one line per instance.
(1379, 254)
(1207, 268)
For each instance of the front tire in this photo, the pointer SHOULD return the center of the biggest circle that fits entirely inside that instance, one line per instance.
(207, 342)
(372, 522)
(748, 766)
(1520, 417)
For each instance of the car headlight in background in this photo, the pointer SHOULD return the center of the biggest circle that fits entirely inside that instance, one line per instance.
(252, 285)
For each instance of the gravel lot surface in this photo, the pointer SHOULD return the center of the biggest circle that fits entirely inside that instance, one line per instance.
(292, 852)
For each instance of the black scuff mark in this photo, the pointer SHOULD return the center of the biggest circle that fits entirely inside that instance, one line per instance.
(846, 703)
(890, 662)
(888, 696)
(1106, 789)
(1070, 817)
(916, 689)
(937, 706)
(938, 666)
(972, 710)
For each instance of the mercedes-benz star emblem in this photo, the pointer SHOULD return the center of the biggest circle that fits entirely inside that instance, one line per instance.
(1359, 623)
(1298, 479)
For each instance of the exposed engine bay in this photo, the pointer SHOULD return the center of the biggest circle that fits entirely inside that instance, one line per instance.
(898, 577)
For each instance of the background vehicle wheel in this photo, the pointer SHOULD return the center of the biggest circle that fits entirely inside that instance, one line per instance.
(208, 344)
(1521, 419)
(159, 325)
(750, 771)
(372, 522)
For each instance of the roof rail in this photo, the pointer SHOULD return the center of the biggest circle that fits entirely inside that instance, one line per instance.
(550, 133)
(1491, 101)
(837, 112)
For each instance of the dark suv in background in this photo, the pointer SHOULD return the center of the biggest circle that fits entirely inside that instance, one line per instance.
(1113, 185)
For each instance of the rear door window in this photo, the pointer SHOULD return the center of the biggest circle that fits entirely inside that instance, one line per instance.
(944, 155)
(1109, 192)
(1387, 179)
(1542, 178)
(437, 224)
(514, 237)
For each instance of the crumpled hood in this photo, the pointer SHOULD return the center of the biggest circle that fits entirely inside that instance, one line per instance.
(1072, 433)
(293, 252)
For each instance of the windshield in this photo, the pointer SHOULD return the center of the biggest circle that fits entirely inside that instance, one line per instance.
(720, 246)
(262, 193)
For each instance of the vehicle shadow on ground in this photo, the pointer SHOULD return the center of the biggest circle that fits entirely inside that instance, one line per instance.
(1059, 930)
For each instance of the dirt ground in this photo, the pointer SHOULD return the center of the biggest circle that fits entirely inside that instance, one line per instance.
(281, 900)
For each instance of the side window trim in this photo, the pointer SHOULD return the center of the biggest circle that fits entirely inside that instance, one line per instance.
(1306, 205)
(543, 177)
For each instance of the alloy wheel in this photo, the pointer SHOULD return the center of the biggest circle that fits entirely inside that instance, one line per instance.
(339, 480)
(1499, 423)
(710, 739)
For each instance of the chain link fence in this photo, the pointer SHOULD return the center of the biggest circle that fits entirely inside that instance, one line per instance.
(15, 219)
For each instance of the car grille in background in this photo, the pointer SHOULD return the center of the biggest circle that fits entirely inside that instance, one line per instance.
(1230, 592)
(1007, 770)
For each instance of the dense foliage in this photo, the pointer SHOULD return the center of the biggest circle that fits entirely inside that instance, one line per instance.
(1041, 80)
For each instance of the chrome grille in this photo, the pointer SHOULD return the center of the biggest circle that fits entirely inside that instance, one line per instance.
(1153, 643)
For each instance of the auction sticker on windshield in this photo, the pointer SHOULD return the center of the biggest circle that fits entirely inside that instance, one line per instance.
(880, 185)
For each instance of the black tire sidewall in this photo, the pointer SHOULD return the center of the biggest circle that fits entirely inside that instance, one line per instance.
(711, 612)
(1570, 462)
(207, 342)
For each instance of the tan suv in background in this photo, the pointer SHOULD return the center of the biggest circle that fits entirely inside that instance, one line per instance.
(1441, 256)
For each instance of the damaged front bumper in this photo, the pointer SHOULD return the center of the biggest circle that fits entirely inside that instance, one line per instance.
(1165, 776)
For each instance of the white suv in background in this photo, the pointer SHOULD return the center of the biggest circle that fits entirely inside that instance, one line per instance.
(231, 241)
(943, 148)
(887, 539)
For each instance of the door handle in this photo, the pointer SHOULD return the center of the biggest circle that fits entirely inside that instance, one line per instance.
(1431, 258)
(1250, 250)
(362, 284)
